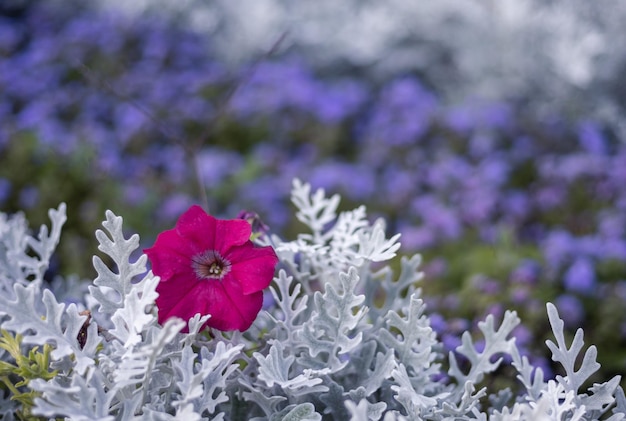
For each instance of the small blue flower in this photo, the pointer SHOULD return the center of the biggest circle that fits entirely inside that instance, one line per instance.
(580, 277)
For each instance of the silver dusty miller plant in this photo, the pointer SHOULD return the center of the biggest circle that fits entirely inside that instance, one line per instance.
(344, 339)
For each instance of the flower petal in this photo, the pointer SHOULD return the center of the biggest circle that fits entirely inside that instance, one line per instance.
(209, 233)
(240, 310)
(231, 233)
(233, 299)
(197, 227)
(229, 309)
(171, 254)
(173, 291)
(253, 267)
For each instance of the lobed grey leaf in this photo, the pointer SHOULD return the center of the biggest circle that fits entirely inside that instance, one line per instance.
(620, 402)
(601, 399)
(8, 407)
(496, 343)
(372, 379)
(275, 369)
(567, 357)
(215, 369)
(415, 403)
(414, 348)
(291, 307)
(16, 263)
(84, 399)
(468, 404)
(313, 210)
(374, 246)
(394, 292)
(57, 326)
(300, 412)
(119, 249)
(268, 403)
(534, 384)
(45, 243)
(365, 410)
(135, 315)
(332, 328)
(138, 363)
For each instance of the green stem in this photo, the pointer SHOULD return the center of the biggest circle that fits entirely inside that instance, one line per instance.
(9, 385)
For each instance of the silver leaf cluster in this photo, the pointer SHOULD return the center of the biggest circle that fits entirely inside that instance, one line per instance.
(344, 337)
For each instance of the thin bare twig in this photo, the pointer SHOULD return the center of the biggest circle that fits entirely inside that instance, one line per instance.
(247, 75)
(106, 86)
(191, 147)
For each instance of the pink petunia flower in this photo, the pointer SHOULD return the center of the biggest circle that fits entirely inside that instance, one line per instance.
(210, 266)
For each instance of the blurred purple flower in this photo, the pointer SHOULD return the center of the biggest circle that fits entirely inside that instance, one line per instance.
(496, 310)
(10, 35)
(481, 144)
(128, 120)
(339, 101)
(5, 189)
(612, 224)
(543, 364)
(403, 113)
(588, 245)
(526, 272)
(591, 139)
(557, 247)
(438, 323)
(274, 86)
(268, 300)
(173, 206)
(450, 341)
(457, 325)
(437, 216)
(523, 148)
(356, 181)
(134, 193)
(479, 345)
(520, 294)
(32, 114)
(417, 238)
(435, 268)
(448, 171)
(523, 336)
(28, 197)
(399, 184)
(216, 164)
(485, 285)
(171, 160)
(614, 248)
(515, 205)
(580, 276)
(570, 310)
(268, 194)
(477, 205)
(550, 196)
(476, 114)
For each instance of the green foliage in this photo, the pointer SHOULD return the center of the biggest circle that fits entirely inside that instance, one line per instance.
(15, 377)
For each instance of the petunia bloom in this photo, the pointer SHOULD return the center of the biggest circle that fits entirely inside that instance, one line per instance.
(210, 266)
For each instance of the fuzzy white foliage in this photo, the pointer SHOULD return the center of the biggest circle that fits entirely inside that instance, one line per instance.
(71, 398)
(274, 369)
(332, 326)
(110, 289)
(18, 266)
(336, 242)
(58, 325)
(324, 350)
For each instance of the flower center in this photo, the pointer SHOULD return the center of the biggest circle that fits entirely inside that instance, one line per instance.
(210, 265)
